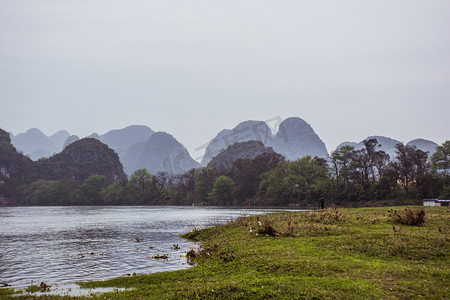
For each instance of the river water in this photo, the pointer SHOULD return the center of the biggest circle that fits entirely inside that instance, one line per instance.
(67, 244)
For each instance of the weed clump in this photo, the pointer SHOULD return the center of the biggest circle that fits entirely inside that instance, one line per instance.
(328, 216)
(223, 253)
(409, 217)
(267, 229)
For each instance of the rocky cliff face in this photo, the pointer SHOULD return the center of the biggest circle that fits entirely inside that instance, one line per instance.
(81, 159)
(160, 153)
(14, 167)
(77, 161)
(296, 138)
(251, 149)
(245, 131)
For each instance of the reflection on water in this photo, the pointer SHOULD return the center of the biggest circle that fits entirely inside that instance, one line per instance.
(66, 244)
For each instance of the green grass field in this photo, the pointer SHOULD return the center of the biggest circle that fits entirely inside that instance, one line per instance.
(360, 253)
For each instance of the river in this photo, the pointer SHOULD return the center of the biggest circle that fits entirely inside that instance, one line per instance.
(67, 244)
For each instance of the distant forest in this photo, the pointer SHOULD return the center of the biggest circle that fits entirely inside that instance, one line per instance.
(349, 178)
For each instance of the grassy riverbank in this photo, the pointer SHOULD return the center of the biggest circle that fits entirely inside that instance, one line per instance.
(345, 254)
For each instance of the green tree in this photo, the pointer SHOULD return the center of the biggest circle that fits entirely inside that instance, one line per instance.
(341, 169)
(445, 193)
(365, 170)
(185, 187)
(365, 162)
(275, 188)
(204, 182)
(222, 192)
(440, 165)
(114, 194)
(306, 176)
(144, 188)
(142, 179)
(246, 174)
(301, 181)
(39, 193)
(50, 192)
(387, 186)
(90, 190)
(174, 197)
(440, 160)
(409, 164)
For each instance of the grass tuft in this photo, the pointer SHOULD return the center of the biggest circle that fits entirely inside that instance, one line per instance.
(409, 217)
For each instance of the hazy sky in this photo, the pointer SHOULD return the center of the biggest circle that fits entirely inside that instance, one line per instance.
(349, 68)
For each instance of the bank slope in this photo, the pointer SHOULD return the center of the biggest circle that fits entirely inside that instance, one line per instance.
(329, 254)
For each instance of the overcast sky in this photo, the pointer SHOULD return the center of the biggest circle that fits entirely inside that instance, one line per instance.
(349, 68)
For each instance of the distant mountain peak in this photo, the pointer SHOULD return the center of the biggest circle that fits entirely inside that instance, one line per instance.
(58, 139)
(244, 131)
(388, 145)
(424, 145)
(60, 132)
(137, 146)
(296, 138)
(70, 140)
(34, 130)
(160, 153)
(93, 136)
(34, 143)
(121, 139)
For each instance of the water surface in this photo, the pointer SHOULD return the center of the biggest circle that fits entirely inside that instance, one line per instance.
(66, 244)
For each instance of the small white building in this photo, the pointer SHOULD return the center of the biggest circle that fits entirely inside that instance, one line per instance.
(435, 202)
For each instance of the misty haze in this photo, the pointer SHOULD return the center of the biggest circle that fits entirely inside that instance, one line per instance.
(224, 150)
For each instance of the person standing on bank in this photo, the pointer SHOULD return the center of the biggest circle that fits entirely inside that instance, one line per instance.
(321, 203)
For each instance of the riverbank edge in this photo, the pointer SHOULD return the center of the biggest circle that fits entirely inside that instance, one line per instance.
(334, 253)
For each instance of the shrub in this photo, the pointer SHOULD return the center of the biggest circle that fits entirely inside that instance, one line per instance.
(267, 229)
(409, 217)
